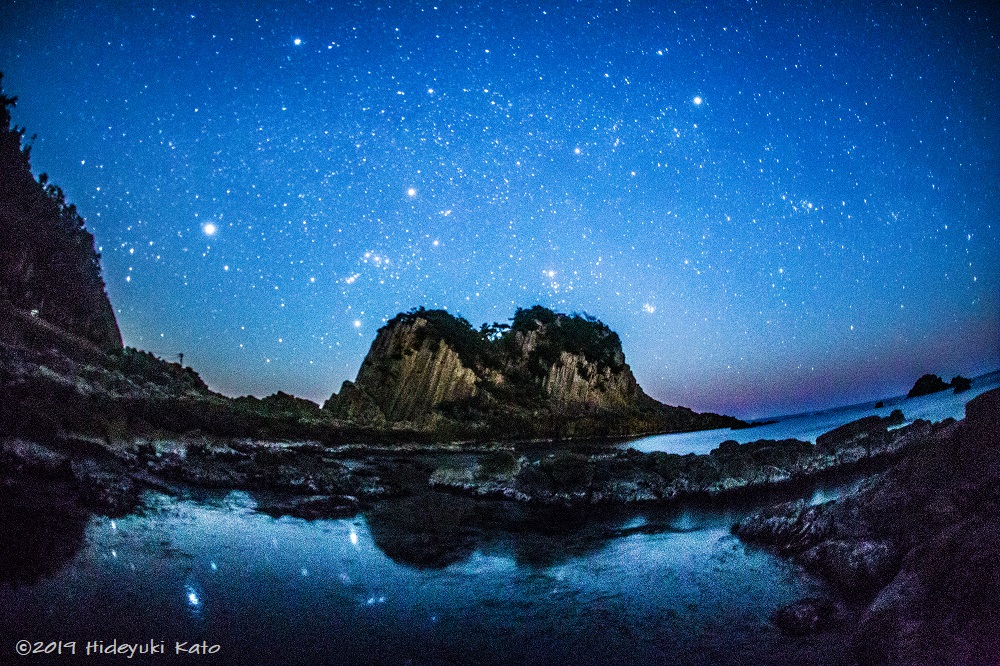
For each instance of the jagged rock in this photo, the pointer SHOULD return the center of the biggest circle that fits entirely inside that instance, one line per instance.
(106, 492)
(869, 430)
(856, 567)
(926, 385)
(629, 476)
(941, 608)
(355, 405)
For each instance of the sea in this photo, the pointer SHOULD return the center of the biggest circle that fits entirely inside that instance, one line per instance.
(807, 426)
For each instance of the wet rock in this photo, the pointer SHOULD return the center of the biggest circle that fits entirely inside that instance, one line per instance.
(808, 616)
(26, 457)
(942, 606)
(790, 528)
(920, 543)
(315, 507)
(856, 567)
(868, 431)
(107, 492)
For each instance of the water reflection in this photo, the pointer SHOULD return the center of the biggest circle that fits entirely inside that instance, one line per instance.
(40, 531)
(433, 530)
(425, 579)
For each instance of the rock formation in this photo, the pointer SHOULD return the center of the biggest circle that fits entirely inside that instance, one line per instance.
(918, 545)
(48, 266)
(926, 385)
(627, 476)
(546, 375)
(960, 383)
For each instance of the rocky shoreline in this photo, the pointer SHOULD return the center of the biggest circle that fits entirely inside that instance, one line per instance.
(627, 476)
(918, 547)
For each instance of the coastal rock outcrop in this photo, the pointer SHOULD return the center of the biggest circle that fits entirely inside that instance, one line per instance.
(626, 476)
(546, 375)
(960, 383)
(409, 372)
(49, 268)
(918, 543)
(926, 385)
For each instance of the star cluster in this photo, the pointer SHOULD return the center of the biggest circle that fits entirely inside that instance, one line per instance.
(777, 207)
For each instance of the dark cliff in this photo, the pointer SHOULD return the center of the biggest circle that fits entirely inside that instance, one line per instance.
(48, 265)
(546, 375)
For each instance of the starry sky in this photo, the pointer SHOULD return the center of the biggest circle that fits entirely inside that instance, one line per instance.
(778, 206)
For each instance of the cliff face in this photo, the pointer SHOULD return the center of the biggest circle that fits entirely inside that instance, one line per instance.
(408, 374)
(547, 375)
(48, 265)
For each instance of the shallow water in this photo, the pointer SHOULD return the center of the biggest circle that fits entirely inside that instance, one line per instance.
(807, 427)
(666, 586)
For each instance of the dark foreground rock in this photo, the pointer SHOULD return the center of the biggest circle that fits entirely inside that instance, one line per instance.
(919, 543)
(808, 616)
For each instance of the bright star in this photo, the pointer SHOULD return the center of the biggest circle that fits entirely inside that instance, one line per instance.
(209, 229)
(697, 100)
(297, 41)
(412, 192)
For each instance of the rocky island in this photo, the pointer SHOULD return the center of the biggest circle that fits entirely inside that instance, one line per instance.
(928, 384)
(547, 375)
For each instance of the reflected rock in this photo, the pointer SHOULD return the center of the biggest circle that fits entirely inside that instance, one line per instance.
(40, 530)
(426, 530)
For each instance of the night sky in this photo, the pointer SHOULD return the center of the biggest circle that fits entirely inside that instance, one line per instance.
(778, 206)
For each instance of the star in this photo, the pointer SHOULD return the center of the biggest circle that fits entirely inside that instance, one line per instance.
(209, 229)
(697, 100)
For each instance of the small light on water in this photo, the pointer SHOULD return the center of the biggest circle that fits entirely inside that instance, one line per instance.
(214, 566)
(305, 572)
(192, 597)
(113, 525)
(354, 538)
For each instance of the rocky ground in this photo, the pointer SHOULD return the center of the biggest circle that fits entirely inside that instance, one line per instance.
(617, 476)
(918, 547)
